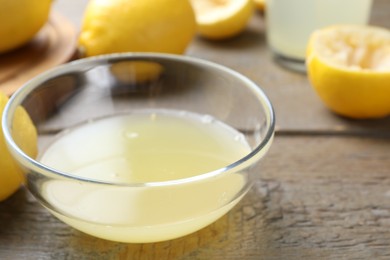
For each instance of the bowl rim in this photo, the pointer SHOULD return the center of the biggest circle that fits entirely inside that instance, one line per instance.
(31, 163)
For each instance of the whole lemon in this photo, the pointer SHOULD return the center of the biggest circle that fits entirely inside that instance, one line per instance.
(20, 21)
(25, 135)
(349, 67)
(111, 26)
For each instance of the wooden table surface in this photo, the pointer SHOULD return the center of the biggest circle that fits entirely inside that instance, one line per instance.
(323, 191)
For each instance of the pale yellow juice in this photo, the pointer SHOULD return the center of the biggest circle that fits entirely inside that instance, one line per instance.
(148, 146)
(290, 22)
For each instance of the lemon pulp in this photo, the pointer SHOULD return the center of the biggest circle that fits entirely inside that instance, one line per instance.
(349, 67)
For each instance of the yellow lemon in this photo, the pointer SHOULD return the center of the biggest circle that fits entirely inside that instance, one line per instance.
(25, 135)
(220, 19)
(20, 21)
(112, 26)
(349, 67)
(129, 72)
(260, 4)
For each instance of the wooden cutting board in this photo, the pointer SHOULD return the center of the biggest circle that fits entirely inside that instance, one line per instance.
(53, 45)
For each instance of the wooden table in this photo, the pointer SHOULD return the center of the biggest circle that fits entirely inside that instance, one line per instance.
(323, 190)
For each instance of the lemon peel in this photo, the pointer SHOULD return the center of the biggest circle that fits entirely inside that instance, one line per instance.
(130, 72)
(20, 21)
(25, 135)
(112, 26)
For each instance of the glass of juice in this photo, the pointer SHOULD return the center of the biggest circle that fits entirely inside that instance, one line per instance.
(142, 147)
(290, 23)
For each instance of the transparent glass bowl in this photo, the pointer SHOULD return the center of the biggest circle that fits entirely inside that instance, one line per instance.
(90, 89)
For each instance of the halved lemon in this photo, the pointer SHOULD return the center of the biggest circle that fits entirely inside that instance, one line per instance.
(221, 19)
(349, 67)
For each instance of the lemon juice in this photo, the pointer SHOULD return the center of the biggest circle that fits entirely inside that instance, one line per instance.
(290, 23)
(151, 155)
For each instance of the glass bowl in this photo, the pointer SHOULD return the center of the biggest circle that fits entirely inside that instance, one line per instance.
(142, 147)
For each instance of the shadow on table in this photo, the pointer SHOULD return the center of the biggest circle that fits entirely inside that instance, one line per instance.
(11, 212)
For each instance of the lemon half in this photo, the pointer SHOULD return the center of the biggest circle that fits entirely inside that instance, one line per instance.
(221, 19)
(349, 67)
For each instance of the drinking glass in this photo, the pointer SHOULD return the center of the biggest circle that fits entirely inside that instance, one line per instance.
(289, 24)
